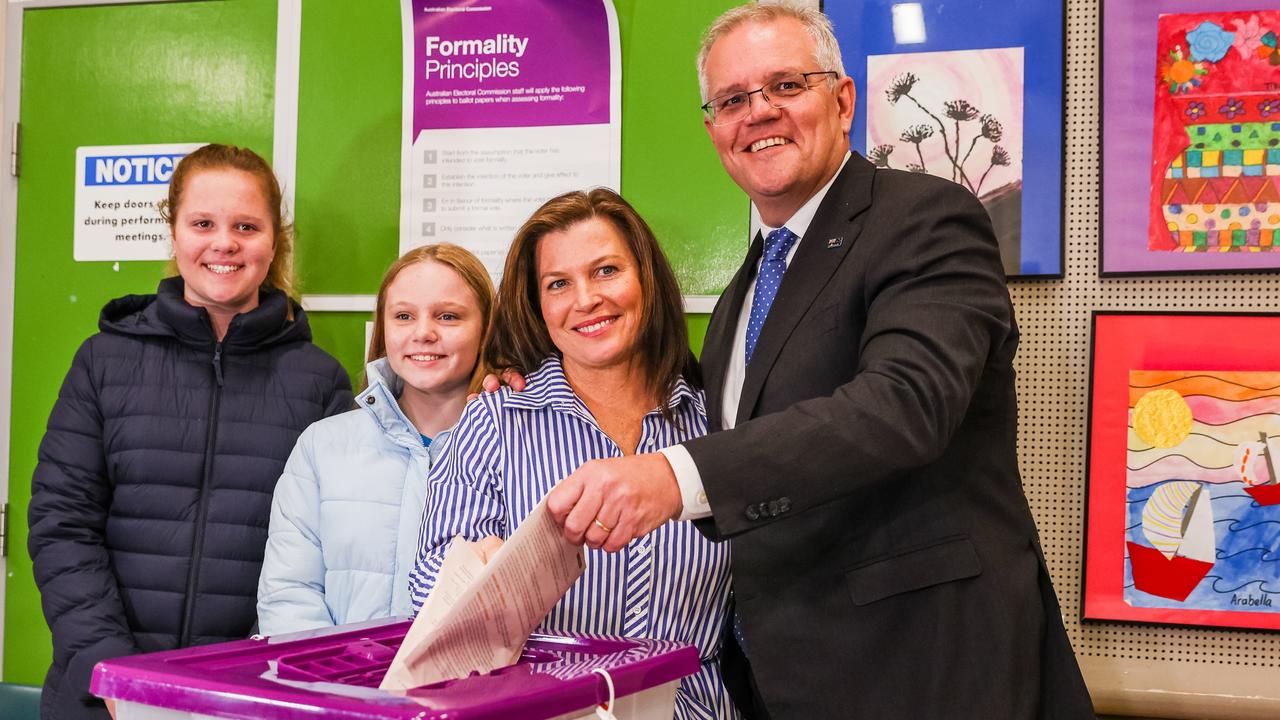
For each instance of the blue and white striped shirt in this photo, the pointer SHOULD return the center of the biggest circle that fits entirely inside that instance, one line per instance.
(509, 449)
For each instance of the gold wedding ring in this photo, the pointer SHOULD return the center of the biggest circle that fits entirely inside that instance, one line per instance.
(607, 530)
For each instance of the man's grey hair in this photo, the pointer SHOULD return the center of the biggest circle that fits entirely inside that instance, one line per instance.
(826, 49)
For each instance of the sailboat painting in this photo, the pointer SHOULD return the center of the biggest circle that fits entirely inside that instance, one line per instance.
(1182, 478)
(1202, 493)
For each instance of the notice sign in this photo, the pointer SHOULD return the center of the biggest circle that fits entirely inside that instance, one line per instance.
(506, 105)
(118, 191)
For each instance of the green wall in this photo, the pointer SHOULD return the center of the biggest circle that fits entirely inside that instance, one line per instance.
(347, 208)
(104, 95)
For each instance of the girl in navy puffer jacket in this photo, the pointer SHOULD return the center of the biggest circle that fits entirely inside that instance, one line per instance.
(347, 510)
(150, 501)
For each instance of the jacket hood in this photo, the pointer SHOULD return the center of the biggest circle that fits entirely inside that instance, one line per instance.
(168, 314)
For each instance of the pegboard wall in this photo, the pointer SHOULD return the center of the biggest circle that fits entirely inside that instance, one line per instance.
(1162, 671)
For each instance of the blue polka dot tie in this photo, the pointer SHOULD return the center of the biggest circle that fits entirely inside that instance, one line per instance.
(767, 282)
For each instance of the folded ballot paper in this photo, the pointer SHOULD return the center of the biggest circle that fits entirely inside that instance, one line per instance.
(479, 615)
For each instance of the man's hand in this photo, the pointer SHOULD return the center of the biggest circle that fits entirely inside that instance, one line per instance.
(608, 503)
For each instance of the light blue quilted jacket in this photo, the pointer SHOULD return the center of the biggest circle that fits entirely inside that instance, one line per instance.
(345, 516)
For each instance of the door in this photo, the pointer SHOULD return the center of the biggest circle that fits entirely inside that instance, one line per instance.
(124, 74)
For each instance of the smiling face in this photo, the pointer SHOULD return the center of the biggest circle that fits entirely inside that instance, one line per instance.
(780, 157)
(591, 296)
(223, 241)
(432, 325)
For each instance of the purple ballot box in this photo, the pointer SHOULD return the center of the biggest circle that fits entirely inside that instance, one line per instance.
(335, 674)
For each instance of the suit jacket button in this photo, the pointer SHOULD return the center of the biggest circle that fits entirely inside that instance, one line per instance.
(773, 508)
(753, 513)
(784, 504)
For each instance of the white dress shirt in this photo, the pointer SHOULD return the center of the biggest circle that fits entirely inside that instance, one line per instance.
(686, 471)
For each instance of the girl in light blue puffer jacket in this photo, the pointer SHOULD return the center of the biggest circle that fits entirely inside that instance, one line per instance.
(346, 511)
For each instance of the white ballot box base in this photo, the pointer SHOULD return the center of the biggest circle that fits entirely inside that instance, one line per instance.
(126, 710)
(656, 703)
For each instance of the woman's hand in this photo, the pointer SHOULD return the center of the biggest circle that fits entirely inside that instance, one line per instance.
(486, 547)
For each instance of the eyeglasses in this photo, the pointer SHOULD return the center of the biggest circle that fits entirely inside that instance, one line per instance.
(735, 107)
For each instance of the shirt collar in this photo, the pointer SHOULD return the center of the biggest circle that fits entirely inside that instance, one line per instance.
(683, 393)
(800, 221)
(548, 387)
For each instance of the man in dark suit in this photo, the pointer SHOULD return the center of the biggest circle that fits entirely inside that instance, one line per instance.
(859, 369)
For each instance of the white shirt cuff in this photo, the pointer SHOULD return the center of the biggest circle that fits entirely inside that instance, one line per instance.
(690, 481)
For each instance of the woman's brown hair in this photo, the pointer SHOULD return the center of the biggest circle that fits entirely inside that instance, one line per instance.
(472, 272)
(229, 157)
(520, 338)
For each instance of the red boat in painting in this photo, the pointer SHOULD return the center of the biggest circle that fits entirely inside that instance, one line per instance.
(1265, 494)
(1178, 522)
(1172, 578)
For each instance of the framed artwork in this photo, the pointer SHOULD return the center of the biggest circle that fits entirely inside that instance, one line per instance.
(971, 91)
(1182, 502)
(1190, 136)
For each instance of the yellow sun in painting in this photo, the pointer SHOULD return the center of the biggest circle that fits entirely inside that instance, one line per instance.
(1162, 418)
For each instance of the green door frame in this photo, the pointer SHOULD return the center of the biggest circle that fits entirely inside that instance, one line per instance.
(284, 161)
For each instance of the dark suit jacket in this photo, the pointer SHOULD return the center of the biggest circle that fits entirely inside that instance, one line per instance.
(885, 561)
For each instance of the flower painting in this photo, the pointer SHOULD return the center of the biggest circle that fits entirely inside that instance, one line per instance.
(957, 115)
(1183, 483)
(1182, 73)
(970, 91)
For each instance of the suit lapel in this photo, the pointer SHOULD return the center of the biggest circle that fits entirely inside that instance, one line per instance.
(721, 329)
(822, 249)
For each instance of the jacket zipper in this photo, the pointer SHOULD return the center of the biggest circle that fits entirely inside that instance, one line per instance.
(197, 547)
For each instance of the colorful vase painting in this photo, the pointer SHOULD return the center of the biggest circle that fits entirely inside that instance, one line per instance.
(1216, 137)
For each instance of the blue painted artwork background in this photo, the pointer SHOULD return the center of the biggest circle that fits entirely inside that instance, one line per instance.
(1248, 552)
(865, 27)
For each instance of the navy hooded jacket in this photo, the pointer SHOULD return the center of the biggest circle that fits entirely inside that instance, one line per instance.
(152, 495)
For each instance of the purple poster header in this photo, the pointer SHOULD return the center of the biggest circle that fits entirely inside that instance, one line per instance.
(509, 64)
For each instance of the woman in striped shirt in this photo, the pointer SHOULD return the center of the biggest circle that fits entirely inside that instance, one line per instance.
(588, 299)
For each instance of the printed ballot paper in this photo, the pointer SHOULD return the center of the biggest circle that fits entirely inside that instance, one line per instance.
(479, 614)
